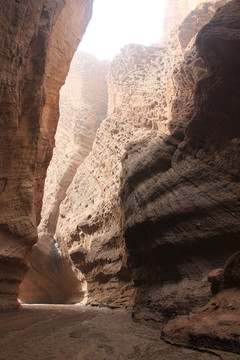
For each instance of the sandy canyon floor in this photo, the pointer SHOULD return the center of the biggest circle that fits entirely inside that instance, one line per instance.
(57, 332)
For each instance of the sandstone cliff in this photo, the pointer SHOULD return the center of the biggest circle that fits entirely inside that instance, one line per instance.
(153, 247)
(83, 105)
(181, 199)
(155, 205)
(188, 14)
(38, 38)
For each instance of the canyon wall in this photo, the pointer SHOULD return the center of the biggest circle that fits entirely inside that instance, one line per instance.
(181, 198)
(38, 39)
(83, 105)
(155, 206)
(178, 11)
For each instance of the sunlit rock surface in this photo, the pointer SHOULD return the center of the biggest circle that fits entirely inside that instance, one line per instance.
(153, 247)
(154, 208)
(83, 105)
(179, 15)
(38, 39)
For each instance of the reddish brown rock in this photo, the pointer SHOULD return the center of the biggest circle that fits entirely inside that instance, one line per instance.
(169, 189)
(217, 324)
(186, 17)
(37, 39)
(196, 19)
(90, 222)
(83, 104)
(215, 278)
(231, 273)
(147, 215)
(182, 219)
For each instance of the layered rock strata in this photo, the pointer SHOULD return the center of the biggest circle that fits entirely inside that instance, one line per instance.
(181, 198)
(216, 325)
(155, 205)
(90, 221)
(83, 105)
(37, 39)
(153, 248)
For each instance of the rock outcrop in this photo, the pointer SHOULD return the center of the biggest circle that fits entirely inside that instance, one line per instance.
(186, 17)
(168, 148)
(38, 38)
(154, 208)
(83, 105)
(181, 198)
(216, 325)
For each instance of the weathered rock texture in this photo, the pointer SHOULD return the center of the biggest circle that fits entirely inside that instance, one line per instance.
(38, 39)
(83, 105)
(181, 199)
(217, 323)
(146, 232)
(188, 14)
(155, 206)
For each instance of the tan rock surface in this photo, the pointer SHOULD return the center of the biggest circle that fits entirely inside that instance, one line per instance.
(150, 89)
(181, 200)
(85, 333)
(179, 12)
(90, 222)
(148, 215)
(37, 39)
(83, 105)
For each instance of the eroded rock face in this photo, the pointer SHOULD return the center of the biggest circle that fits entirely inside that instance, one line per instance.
(154, 249)
(216, 325)
(37, 39)
(155, 206)
(181, 201)
(187, 15)
(90, 222)
(83, 105)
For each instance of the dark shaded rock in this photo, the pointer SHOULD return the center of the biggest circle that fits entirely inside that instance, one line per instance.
(231, 274)
(181, 220)
(215, 278)
(216, 325)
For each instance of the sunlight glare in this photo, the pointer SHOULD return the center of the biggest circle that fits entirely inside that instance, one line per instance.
(116, 23)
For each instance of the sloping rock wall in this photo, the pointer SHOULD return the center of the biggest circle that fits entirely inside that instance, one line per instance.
(37, 39)
(216, 325)
(153, 248)
(83, 105)
(181, 198)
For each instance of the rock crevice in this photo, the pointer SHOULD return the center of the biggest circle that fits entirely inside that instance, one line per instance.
(33, 48)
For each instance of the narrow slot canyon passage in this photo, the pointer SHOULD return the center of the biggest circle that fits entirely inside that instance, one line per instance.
(119, 182)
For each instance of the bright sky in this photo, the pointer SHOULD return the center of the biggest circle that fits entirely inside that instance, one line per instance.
(116, 23)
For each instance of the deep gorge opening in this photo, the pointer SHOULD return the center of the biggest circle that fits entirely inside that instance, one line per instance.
(155, 205)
